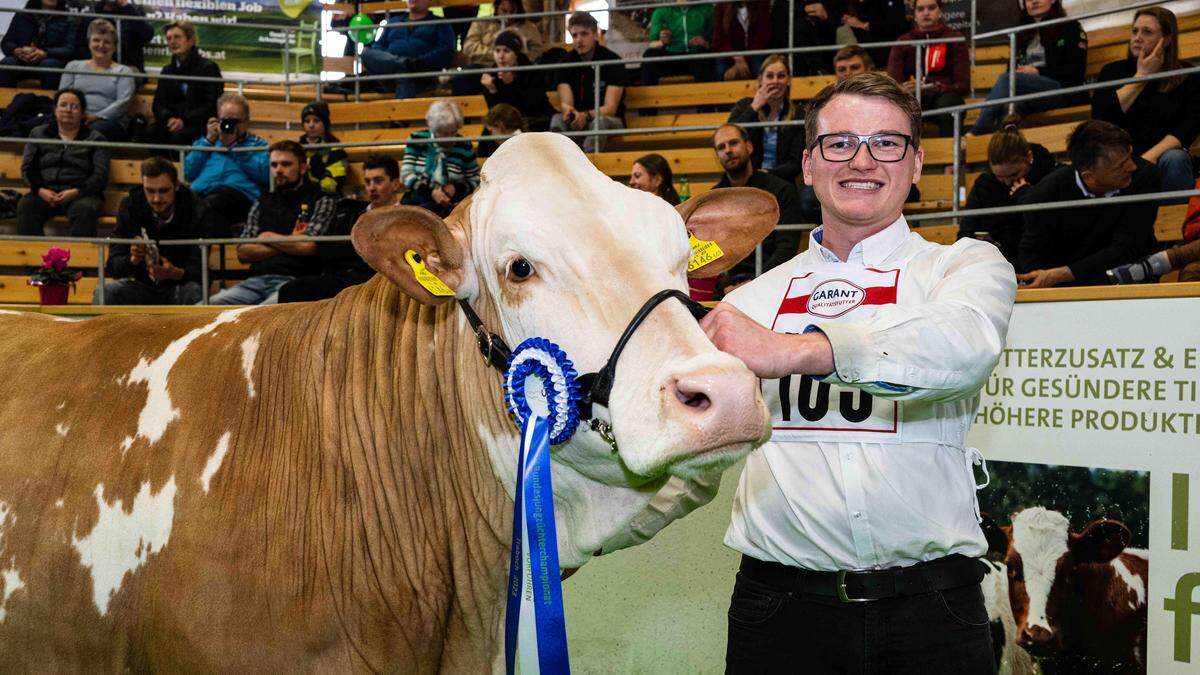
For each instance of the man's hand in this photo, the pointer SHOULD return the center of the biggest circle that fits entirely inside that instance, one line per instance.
(1045, 278)
(213, 132)
(855, 22)
(49, 196)
(1151, 62)
(164, 271)
(664, 36)
(137, 254)
(768, 354)
(698, 42)
(910, 85)
(816, 11)
(68, 196)
(579, 122)
(1028, 70)
(36, 55)
(174, 125)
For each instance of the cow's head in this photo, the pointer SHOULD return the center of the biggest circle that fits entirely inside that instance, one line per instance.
(1043, 557)
(549, 246)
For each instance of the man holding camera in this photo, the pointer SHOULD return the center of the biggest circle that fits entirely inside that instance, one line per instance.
(227, 182)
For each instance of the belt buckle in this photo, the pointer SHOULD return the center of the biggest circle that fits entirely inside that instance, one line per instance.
(841, 589)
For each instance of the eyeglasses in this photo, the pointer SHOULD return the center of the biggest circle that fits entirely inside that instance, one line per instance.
(882, 147)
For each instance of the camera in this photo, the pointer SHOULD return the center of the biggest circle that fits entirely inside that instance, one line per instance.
(229, 125)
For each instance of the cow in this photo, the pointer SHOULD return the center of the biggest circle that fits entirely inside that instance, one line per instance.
(1077, 599)
(328, 486)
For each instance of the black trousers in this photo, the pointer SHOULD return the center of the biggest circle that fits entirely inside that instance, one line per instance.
(225, 208)
(772, 630)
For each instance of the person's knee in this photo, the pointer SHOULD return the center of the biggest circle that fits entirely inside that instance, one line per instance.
(188, 293)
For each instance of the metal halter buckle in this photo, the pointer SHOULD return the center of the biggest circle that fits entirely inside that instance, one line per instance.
(841, 589)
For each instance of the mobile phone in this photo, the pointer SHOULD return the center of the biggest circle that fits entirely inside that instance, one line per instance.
(151, 249)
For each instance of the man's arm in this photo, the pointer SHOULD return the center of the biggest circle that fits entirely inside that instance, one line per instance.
(961, 57)
(566, 97)
(1135, 227)
(252, 252)
(256, 165)
(318, 225)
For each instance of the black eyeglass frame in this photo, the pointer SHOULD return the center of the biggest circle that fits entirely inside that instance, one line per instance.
(863, 140)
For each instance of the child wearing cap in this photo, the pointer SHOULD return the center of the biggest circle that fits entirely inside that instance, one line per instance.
(326, 166)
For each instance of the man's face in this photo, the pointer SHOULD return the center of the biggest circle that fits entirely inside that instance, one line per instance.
(584, 38)
(286, 169)
(233, 111)
(418, 6)
(178, 43)
(1113, 171)
(381, 189)
(849, 67)
(160, 192)
(862, 191)
(314, 127)
(926, 14)
(505, 57)
(732, 151)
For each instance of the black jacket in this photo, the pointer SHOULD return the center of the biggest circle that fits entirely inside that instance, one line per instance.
(1093, 239)
(527, 93)
(136, 33)
(780, 246)
(57, 35)
(193, 102)
(789, 150)
(1153, 114)
(808, 32)
(1066, 53)
(277, 212)
(61, 166)
(339, 259)
(888, 20)
(1004, 228)
(135, 214)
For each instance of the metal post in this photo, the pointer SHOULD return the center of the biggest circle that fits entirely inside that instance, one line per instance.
(791, 34)
(357, 70)
(758, 260)
(919, 76)
(1012, 70)
(596, 103)
(101, 248)
(287, 68)
(204, 274)
(971, 42)
(958, 149)
(117, 41)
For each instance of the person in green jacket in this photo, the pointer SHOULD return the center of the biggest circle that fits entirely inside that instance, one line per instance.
(682, 28)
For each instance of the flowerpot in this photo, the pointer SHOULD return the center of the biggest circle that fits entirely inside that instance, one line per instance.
(53, 294)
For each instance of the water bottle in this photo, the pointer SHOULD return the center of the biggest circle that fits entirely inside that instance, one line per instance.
(685, 190)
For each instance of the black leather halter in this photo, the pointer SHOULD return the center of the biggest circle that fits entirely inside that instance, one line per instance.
(596, 387)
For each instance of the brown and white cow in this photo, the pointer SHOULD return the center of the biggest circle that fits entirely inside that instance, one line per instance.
(328, 487)
(1078, 599)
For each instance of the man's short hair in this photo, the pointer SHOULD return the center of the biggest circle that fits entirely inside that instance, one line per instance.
(386, 162)
(290, 146)
(1095, 140)
(870, 85)
(583, 20)
(160, 166)
(234, 97)
(188, 28)
(850, 51)
(745, 135)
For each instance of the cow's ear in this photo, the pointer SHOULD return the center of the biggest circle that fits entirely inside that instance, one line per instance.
(384, 237)
(1100, 542)
(735, 218)
(996, 535)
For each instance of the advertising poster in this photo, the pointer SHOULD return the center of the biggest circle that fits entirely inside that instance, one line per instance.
(232, 46)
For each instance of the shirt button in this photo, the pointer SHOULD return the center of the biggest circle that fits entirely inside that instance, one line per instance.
(858, 515)
(849, 456)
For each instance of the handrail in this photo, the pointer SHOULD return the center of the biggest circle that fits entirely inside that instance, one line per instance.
(1081, 203)
(128, 17)
(1067, 19)
(143, 76)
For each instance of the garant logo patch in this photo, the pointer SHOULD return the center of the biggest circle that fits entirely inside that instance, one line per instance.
(834, 298)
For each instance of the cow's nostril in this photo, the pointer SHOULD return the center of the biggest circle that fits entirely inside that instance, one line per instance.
(696, 400)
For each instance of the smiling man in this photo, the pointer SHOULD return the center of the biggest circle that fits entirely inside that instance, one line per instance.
(858, 522)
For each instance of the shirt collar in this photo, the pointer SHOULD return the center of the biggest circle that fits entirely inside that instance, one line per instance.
(1088, 193)
(872, 251)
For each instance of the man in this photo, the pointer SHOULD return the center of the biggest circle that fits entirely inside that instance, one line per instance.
(851, 60)
(296, 206)
(858, 521)
(182, 108)
(1077, 246)
(734, 151)
(410, 49)
(946, 72)
(228, 182)
(814, 22)
(153, 274)
(576, 86)
(327, 167)
(676, 30)
(340, 265)
(39, 41)
(135, 31)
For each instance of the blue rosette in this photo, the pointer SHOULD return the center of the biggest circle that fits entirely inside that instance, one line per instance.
(541, 360)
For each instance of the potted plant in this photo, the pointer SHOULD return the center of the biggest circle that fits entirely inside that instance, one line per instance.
(53, 278)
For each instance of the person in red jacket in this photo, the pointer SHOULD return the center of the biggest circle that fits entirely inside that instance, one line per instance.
(740, 26)
(946, 73)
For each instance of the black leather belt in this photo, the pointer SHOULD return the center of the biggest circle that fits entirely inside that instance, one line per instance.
(952, 571)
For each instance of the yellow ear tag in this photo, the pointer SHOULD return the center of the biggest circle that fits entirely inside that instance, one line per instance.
(427, 279)
(703, 252)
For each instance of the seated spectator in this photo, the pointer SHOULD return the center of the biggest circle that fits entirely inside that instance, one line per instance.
(477, 47)
(159, 210)
(502, 120)
(852, 60)
(410, 49)
(777, 150)
(523, 90)
(946, 75)
(740, 27)
(1162, 116)
(63, 179)
(734, 149)
(1049, 58)
(439, 174)
(676, 30)
(39, 41)
(228, 182)
(340, 265)
(1014, 166)
(181, 108)
(1185, 258)
(136, 32)
(870, 21)
(652, 173)
(295, 206)
(1076, 246)
(108, 97)
(326, 166)
(577, 105)
(815, 22)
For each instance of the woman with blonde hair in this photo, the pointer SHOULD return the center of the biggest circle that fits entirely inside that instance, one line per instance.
(108, 96)
(777, 150)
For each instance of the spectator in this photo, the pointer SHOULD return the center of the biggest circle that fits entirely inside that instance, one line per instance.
(109, 97)
(228, 182)
(1014, 166)
(1076, 246)
(1185, 258)
(439, 174)
(502, 120)
(777, 150)
(734, 149)
(135, 31)
(63, 178)
(676, 30)
(326, 166)
(183, 108)
(815, 22)
(296, 206)
(340, 265)
(410, 49)
(652, 173)
(39, 41)
(739, 27)
(523, 90)
(1162, 116)
(852, 60)
(477, 47)
(873, 21)
(152, 274)
(946, 73)
(577, 104)
(1050, 58)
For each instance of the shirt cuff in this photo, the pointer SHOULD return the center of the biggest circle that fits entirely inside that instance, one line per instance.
(852, 352)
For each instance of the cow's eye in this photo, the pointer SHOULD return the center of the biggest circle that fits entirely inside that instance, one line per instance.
(519, 270)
